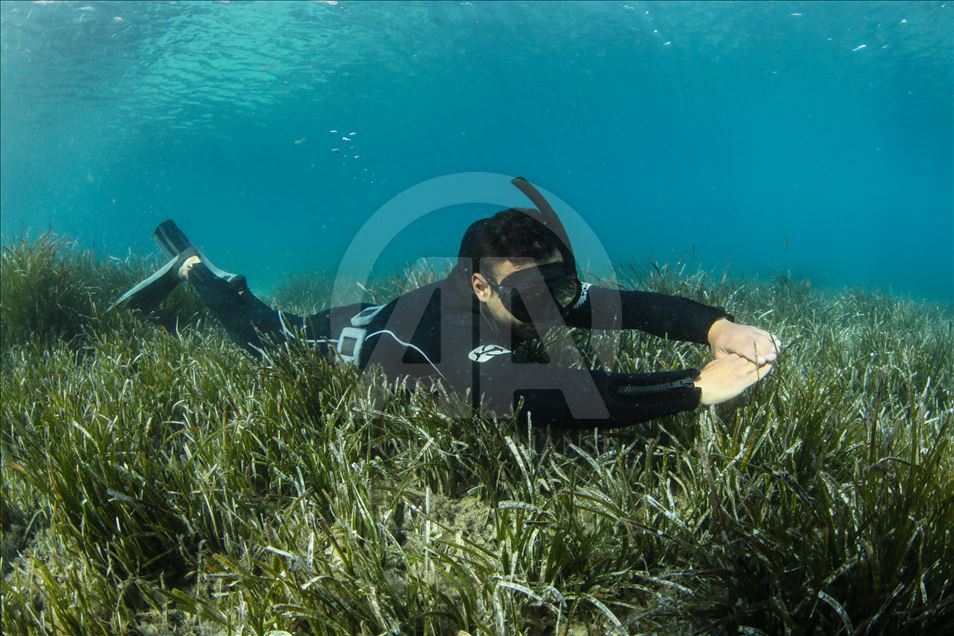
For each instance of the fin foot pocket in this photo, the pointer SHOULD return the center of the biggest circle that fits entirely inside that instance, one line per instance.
(148, 293)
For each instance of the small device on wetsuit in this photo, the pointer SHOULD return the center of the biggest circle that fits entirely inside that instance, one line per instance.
(351, 339)
(538, 291)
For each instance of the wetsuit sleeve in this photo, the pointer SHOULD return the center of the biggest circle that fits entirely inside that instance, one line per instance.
(578, 398)
(501, 382)
(671, 317)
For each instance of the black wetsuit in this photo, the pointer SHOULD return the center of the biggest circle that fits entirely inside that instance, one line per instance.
(438, 331)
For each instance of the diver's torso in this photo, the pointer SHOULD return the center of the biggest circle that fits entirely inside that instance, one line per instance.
(432, 330)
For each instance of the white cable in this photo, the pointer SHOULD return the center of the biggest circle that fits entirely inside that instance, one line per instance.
(410, 346)
(321, 341)
(289, 334)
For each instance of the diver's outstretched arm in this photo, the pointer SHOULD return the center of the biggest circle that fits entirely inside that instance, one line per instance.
(671, 317)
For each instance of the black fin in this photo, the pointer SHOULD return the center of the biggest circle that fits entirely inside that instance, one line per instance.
(147, 294)
(170, 238)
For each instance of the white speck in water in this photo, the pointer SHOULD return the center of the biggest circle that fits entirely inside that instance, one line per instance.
(335, 150)
(884, 47)
(118, 18)
(859, 47)
(333, 131)
(795, 15)
(904, 20)
(87, 8)
(655, 30)
(356, 157)
(667, 43)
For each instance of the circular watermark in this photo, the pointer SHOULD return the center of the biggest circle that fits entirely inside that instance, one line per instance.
(434, 195)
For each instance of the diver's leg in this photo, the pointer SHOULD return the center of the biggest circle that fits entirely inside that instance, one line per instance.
(248, 321)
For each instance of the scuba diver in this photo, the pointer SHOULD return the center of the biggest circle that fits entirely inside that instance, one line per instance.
(515, 278)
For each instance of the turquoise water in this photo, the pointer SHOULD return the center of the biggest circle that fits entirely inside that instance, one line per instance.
(807, 139)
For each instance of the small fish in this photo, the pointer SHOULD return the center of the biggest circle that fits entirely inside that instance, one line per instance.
(795, 15)
(118, 18)
(356, 157)
(335, 150)
(299, 142)
(904, 20)
(345, 139)
(352, 133)
(859, 47)
(333, 131)
(667, 43)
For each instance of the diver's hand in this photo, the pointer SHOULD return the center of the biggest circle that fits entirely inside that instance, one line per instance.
(726, 377)
(752, 343)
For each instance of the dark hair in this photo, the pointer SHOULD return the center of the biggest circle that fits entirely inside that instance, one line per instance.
(514, 233)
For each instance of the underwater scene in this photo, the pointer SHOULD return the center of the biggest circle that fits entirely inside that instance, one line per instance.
(477, 317)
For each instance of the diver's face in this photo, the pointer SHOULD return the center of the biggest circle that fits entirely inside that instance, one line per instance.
(486, 290)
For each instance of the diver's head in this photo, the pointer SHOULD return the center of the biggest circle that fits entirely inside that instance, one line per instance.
(520, 274)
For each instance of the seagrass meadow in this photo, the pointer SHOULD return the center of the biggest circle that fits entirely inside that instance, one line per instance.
(157, 480)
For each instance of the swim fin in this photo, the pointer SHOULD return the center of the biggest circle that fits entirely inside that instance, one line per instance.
(173, 241)
(147, 294)
(170, 238)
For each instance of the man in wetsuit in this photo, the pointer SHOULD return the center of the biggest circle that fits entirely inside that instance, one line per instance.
(515, 277)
